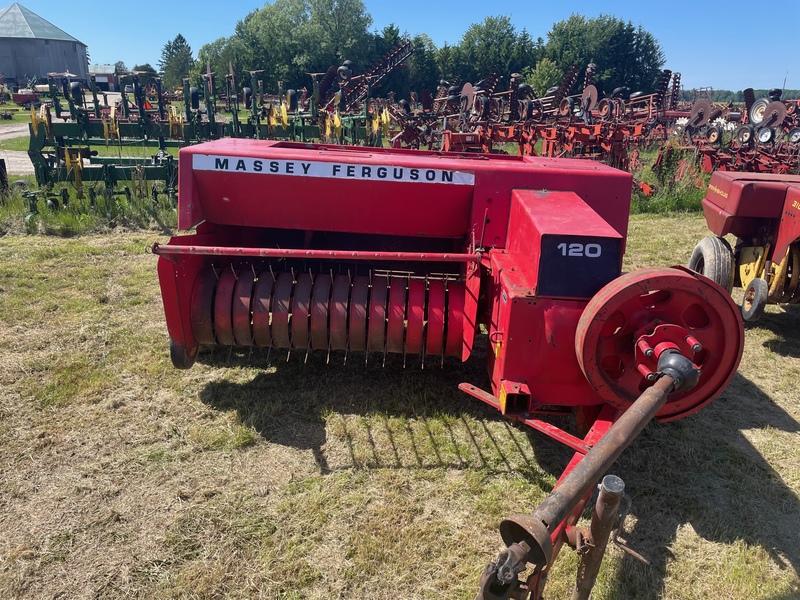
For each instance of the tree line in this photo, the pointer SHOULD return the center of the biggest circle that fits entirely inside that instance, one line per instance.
(288, 39)
(727, 96)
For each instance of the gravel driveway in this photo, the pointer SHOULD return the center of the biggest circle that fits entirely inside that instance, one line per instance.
(17, 163)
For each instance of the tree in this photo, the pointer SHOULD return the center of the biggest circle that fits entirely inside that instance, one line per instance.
(446, 63)
(289, 38)
(176, 61)
(625, 55)
(545, 75)
(339, 28)
(525, 53)
(120, 67)
(398, 81)
(486, 47)
(146, 72)
(424, 73)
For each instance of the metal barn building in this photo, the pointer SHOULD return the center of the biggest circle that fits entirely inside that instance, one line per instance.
(32, 47)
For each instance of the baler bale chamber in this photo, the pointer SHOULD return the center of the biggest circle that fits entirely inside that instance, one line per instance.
(359, 253)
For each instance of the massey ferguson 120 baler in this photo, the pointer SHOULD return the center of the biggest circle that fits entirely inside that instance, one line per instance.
(357, 253)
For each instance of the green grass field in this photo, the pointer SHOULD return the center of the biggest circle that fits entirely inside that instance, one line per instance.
(259, 476)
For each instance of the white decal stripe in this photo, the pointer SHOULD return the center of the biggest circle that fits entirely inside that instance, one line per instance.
(303, 168)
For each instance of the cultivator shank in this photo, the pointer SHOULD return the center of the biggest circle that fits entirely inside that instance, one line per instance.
(358, 254)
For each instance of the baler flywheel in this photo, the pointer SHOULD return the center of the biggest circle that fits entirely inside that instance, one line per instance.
(638, 315)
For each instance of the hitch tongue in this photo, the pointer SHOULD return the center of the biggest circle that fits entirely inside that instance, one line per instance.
(499, 579)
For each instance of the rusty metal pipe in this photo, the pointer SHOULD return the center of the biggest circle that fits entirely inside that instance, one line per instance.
(612, 489)
(536, 529)
(559, 504)
(170, 250)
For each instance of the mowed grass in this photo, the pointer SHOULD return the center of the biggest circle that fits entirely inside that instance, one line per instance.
(254, 476)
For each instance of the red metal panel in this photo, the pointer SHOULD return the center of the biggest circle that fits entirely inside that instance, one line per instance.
(416, 316)
(262, 306)
(242, 298)
(320, 301)
(357, 340)
(301, 304)
(281, 303)
(738, 203)
(376, 336)
(340, 299)
(223, 304)
(789, 228)
(539, 220)
(532, 340)
(455, 319)
(434, 340)
(202, 306)
(352, 204)
(472, 292)
(395, 327)
(376, 186)
(606, 190)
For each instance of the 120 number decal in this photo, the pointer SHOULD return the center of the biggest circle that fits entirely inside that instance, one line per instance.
(588, 250)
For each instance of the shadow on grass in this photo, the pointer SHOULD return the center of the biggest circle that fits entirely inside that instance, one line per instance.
(381, 417)
(785, 326)
(703, 474)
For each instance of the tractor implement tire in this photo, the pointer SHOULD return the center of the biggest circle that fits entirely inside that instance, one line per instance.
(713, 257)
(755, 300)
(182, 357)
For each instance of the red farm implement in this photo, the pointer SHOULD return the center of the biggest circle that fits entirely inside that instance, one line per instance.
(360, 253)
(763, 212)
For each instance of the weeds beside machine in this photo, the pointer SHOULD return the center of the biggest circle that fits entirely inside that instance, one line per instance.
(357, 252)
(763, 212)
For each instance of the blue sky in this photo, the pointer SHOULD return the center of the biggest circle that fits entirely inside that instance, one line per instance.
(732, 45)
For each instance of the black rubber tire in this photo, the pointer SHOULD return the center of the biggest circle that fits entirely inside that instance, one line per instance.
(714, 134)
(76, 91)
(344, 73)
(758, 109)
(20, 185)
(713, 257)
(618, 92)
(755, 300)
(247, 94)
(743, 134)
(182, 358)
(291, 100)
(194, 98)
(524, 90)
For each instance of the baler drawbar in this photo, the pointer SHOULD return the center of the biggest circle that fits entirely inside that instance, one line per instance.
(366, 252)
